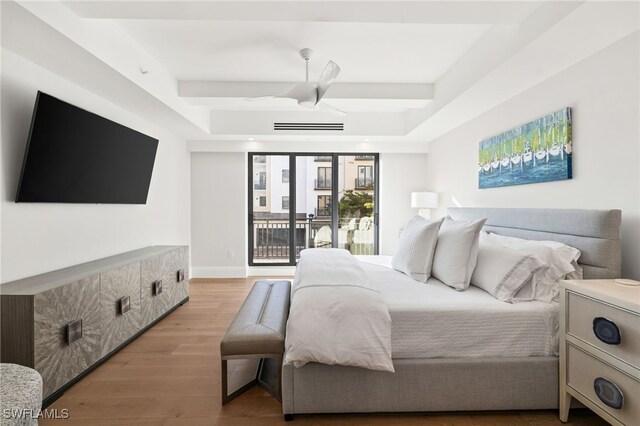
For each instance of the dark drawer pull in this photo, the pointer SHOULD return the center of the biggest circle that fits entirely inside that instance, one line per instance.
(180, 275)
(606, 331)
(74, 331)
(124, 303)
(157, 287)
(608, 393)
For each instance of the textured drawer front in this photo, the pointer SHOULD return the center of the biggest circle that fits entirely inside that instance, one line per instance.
(180, 260)
(582, 371)
(57, 361)
(581, 313)
(156, 268)
(118, 327)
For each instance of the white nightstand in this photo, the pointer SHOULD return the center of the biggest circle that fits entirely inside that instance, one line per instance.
(600, 349)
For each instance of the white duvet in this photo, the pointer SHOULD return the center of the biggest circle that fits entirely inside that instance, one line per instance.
(337, 314)
(432, 320)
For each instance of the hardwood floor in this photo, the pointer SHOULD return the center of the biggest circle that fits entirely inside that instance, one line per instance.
(171, 376)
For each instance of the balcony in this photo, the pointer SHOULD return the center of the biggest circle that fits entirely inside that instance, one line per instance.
(262, 186)
(260, 159)
(364, 183)
(323, 158)
(271, 238)
(364, 157)
(322, 184)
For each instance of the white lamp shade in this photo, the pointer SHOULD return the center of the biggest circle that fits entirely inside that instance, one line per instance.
(424, 200)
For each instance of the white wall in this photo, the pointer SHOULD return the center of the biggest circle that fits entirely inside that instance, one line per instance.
(400, 175)
(219, 214)
(603, 92)
(40, 237)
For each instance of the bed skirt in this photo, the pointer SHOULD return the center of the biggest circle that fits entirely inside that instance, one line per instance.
(444, 384)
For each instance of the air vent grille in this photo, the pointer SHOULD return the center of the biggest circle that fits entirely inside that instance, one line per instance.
(336, 127)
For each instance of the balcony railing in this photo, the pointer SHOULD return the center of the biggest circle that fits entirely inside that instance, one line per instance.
(322, 183)
(323, 158)
(262, 186)
(364, 157)
(260, 159)
(364, 183)
(271, 238)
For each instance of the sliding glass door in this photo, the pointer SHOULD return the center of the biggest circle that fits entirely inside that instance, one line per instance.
(269, 207)
(292, 199)
(357, 206)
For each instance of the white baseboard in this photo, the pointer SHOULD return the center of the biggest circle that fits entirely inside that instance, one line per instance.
(218, 272)
(241, 271)
(271, 271)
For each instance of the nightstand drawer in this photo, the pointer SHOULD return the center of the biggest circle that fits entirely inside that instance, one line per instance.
(582, 311)
(582, 372)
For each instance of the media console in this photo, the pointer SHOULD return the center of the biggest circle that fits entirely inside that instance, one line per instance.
(64, 323)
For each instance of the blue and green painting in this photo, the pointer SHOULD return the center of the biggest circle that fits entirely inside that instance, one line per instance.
(538, 151)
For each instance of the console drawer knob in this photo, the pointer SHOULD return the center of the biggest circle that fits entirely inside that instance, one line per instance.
(156, 286)
(74, 331)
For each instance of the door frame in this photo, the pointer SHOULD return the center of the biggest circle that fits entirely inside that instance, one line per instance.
(292, 200)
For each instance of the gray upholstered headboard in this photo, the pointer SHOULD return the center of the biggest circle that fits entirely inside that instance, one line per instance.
(596, 233)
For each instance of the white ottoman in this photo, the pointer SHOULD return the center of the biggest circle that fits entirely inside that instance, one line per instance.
(20, 395)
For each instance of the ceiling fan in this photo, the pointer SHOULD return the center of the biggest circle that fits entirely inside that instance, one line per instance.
(309, 95)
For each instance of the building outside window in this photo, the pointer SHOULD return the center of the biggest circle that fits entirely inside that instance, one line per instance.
(262, 201)
(285, 202)
(365, 177)
(324, 206)
(261, 183)
(285, 175)
(324, 178)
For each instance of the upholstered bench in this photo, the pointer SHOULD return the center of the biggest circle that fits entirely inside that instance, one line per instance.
(20, 395)
(251, 351)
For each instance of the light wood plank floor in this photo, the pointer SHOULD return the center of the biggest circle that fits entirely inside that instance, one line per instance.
(171, 376)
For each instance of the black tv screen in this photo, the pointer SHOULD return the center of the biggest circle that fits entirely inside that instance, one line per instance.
(75, 156)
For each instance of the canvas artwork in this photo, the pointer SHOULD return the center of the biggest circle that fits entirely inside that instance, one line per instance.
(538, 151)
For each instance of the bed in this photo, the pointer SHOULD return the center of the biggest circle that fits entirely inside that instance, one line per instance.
(517, 372)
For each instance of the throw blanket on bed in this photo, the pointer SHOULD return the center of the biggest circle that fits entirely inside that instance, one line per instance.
(337, 314)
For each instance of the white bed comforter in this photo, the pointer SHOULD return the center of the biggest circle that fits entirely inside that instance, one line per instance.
(337, 314)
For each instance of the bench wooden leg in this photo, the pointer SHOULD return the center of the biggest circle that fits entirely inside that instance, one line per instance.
(288, 417)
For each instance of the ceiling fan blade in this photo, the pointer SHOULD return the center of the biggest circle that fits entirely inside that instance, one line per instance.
(325, 107)
(329, 74)
(304, 93)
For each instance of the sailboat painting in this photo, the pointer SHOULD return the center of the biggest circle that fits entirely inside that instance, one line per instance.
(538, 151)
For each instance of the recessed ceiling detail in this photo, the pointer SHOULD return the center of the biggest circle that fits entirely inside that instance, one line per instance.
(411, 70)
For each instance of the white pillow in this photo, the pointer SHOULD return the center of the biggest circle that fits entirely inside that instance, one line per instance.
(502, 272)
(577, 274)
(457, 252)
(561, 258)
(414, 254)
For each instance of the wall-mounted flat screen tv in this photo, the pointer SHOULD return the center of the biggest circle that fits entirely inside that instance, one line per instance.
(75, 156)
